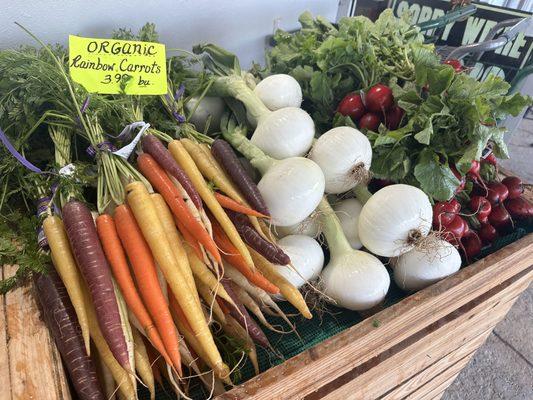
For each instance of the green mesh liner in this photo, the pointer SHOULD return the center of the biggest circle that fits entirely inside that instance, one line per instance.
(314, 331)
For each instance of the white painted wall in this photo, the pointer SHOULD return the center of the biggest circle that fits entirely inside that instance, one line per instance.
(238, 25)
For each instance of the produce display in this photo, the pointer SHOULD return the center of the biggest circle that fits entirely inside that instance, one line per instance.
(228, 220)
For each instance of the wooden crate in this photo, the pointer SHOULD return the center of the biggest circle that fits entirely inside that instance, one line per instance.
(419, 347)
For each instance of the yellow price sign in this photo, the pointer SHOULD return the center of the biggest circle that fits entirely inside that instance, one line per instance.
(112, 66)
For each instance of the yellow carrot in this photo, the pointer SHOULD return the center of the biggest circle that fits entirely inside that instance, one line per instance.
(183, 158)
(204, 275)
(142, 362)
(171, 232)
(210, 169)
(64, 262)
(211, 302)
(146, 215)
(121, 377)
(185, 329)
(290, 292)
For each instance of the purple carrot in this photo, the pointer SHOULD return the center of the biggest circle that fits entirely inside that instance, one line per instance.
(94, 267)
(61, 319)
(225, 155)
(160, 153)
(257, 242)
(242, 317)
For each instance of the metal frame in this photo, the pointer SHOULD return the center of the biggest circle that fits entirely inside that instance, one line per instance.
(490, 44)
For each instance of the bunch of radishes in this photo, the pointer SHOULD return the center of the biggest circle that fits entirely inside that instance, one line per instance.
(491, 210)
(370, 109)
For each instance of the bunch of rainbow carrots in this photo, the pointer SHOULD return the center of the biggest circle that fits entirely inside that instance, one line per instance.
(176, 256)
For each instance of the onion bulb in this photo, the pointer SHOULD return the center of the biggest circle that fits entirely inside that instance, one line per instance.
(208, 107)
(308, 227)
(394, 220)
(307, 259)
(279, 91)
(344, 154)
(419, 268)
(348, 211)
(354, 279)
(287, 132)
(292, 189)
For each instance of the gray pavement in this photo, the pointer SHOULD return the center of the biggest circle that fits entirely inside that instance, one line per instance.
(503, 367)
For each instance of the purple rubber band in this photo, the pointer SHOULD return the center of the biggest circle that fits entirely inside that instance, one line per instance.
(104, 146)
(85, 104)
(179, 92)
(20, 158)
(180, 118)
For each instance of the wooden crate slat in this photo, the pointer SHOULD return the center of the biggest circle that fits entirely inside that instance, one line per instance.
(35, 366)
(438, 384)
(5, 380)
(334, 357)
(394, 366)
(433, 370)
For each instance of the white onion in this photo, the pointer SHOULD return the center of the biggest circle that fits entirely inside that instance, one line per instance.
(292, 189)
(307, 259)
(284, 133)
(353, 279)
(209, 106)
(356, 280)
(394, 219)
(419, 268)
(308, 227)
(279, 91)
(348, 211)
(344, 154)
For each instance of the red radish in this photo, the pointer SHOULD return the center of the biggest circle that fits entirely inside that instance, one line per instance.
(376, 184)
(520, 209)
(63, 324)
(352, 106)
(497, 193)
(471, 244)
(500, 219)
(473, 172)
(370, 121)
(514, 185)
(89, 255)
(454, 231)
(462, 180)
(487, 233)
(378, 98)
(444, 212)
(481, 207)
(455, 64)
(490, 159)
(456, 206)
(393, 117)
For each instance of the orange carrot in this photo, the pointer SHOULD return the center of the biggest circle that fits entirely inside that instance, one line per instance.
(189, 239)
(233, 257)
(162, 183)
(145, 273)
(230, 204)
(175, 307)
(114, 252)
(222, 305)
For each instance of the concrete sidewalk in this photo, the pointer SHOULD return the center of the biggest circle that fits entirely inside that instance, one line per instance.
(503, 367)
